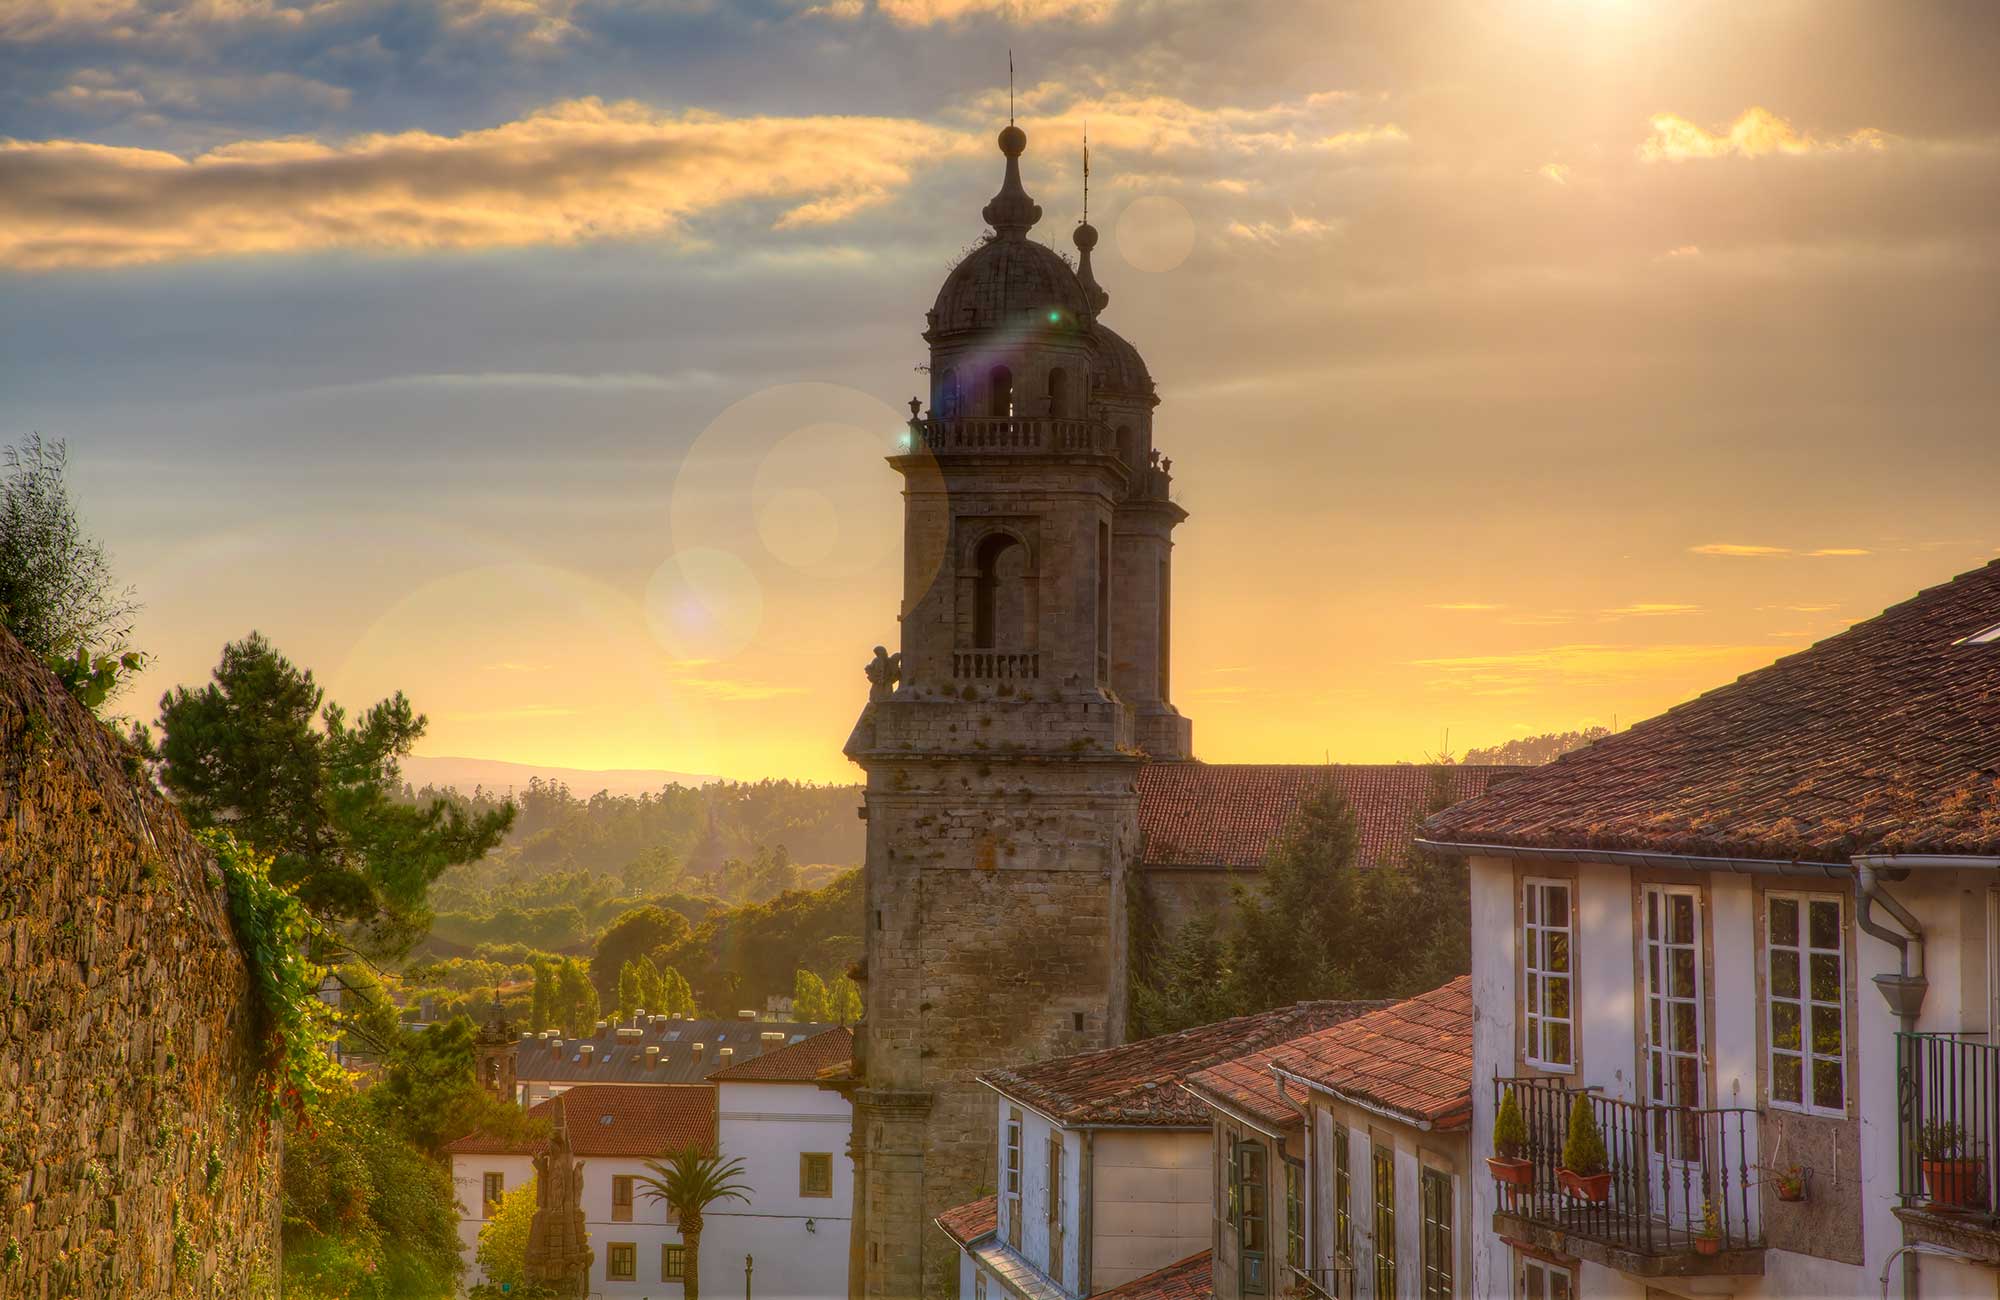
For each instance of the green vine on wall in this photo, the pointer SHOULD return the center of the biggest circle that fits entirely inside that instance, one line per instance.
(278, 937)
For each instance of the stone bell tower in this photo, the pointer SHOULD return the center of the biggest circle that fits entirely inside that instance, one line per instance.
(1002, 744)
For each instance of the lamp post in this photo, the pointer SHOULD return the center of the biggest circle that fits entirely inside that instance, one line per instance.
(748, 1264)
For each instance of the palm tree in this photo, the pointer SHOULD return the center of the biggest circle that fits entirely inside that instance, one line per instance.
(689, 1182)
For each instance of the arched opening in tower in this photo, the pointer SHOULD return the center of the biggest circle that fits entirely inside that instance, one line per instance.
(1058, 391)
(1000, 594)
(1000, 392)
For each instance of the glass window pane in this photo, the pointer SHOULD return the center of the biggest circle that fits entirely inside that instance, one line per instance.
(1684, 1027)
(1683, 914)
(1785, 1025)
(1683, 964)
(1786, 1082)
(1530, 898)
(1558, 1036)
(1555, 908)
(1784, 973)
(1558, 991)
(1785, 921)
(1826, 1029)
(1827, 1089)
(1558, 1285)
(1823, 915)
(1558, 949)
(1652, 916)
(1825, 977)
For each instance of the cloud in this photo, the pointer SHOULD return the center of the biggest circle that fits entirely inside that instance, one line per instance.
(1468, 606)
(1158, 125)
(1838, 551)
(1644, 610)
(1274, 232)
(1518, 672)
(135, 89)
(573, 171)
(1825, 608)
(1685, 250)
(723, 688)
(522, 714)
(927, 13)
(1757, 133)
(1556, 172)
(1738, 549)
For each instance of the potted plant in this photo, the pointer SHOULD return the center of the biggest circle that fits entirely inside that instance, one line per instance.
(1584, 1173)
(1509, 1161)
(1790, 1184)
(1709, 1240)
(1954, 1174)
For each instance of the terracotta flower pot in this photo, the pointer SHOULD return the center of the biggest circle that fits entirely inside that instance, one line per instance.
(1707, 1245)
(1790, 1190)
(1594, 1188)
(1958, 1184)
(1511, 1171)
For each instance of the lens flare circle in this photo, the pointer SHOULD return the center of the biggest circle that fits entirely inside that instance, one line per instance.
(1155, 233)
(704, 604)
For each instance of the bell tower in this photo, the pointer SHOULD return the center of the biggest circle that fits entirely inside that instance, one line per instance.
(1001, 747)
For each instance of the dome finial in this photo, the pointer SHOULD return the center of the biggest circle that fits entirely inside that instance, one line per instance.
(1085, 236)
(1011, 212)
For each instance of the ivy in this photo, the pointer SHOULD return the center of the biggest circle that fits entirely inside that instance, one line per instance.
(278, 937)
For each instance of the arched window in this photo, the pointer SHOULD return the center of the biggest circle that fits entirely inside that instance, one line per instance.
(1058, 391)
(1000, 392)
(1000, 594)
(948, 397)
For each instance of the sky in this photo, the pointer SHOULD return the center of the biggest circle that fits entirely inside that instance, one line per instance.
(1526, 364)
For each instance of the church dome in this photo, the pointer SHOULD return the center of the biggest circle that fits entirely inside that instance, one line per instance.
(1010, 279)
(1118, 367)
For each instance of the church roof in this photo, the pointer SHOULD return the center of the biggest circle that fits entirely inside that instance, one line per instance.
(1883, 738)
(1227, 814)
(1008, 281)
(1138, 1083)
(641, 1123)
(1119, 367)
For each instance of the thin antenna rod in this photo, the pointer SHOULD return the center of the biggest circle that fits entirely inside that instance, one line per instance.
(1086, 173)
(1010, 87)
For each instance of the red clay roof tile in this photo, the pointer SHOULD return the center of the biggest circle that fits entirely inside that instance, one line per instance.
(643, 1121)
(1191, 1279)
(967, 1223)
(1883, 738)
(1413, 1057)
(802, 1062)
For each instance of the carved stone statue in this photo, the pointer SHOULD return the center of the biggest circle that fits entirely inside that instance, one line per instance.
(885, 672)
(559, 1254)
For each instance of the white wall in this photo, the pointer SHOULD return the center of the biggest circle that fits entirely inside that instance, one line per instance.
(468, 1181)
(648, 1229)
(1364, 1132)
(1035, 1131)
(1153, 1202)
(799, 1244)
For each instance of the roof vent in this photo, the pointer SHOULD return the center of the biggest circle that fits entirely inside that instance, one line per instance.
(631, 1033)
(698, 1048)
(652, 1053)
(600, 1026)
(1988, 637)
(604, 1121)
(725, 1054)
(772, 1036)
(746, 1015)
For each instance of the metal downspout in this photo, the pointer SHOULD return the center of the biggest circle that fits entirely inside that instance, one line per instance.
(1904, 991)
(1086, 1187)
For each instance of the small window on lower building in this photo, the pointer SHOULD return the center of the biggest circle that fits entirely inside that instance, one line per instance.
(816, 1173)
(979, 1286)
(621, 1198)
(673, 1263)
(1439, 1243)
(1536, 1279)
(1295, 1214)
(492, 1188)
(621, 1262)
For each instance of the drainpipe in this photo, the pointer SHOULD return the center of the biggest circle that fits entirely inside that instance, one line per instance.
(1903, 991)
(1086, 1198)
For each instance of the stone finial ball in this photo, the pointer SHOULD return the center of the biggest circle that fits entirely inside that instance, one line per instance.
(1085, 236)
(1013, 140)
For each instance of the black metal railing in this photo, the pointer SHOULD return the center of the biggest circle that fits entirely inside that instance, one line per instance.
(1677, 1172)
(1947, 1105)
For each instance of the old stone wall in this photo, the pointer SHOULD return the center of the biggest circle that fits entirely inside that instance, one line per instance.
(134, 1158)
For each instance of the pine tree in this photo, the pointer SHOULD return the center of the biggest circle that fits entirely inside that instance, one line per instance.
(843, 1000)
(628, 988)
(808, 998)
(543, 1007)
(652, 988)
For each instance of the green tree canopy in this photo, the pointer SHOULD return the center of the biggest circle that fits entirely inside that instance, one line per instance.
(244, 753)
(808, 997)
(843, 1000)
(635, 934)
(689, 1182)
(503, 1239)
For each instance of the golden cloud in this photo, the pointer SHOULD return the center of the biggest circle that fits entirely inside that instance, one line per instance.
(574, 171)
(1738, 549)
(1142, 124)
(1757, 133)
(926, 13)
(1649, 610)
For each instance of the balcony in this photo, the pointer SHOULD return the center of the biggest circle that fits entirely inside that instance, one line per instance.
(1021, 435)
(1673, 1170)
(1947, 1104)
(995, 666)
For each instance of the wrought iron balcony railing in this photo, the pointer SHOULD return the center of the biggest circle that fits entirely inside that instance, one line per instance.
(1682, 1177)
(1947, 1105)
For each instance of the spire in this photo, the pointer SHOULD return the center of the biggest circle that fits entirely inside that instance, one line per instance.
(1085, 236)
(1011, 212)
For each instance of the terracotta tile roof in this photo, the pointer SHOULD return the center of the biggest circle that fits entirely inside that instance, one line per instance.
(1412, 1057)
(616, 1120)
(1138, 1083)
(1191, 1279)
(967, 1223)
(801, 1062)
(1247, 1086)
(1885, 738)
(1227, 814)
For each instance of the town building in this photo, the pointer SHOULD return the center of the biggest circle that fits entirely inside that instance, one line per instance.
(640, 1049)
(1759, 936)
(1031, 799)
(1105, 1168)
(791, 1135)
(636, 1246)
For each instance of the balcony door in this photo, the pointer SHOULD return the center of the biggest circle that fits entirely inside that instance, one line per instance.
(1676, 1035)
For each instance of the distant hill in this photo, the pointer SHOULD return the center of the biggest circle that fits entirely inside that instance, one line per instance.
(497, 777)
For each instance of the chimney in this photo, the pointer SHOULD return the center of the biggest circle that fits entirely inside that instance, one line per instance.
(723, 1054)
(600, 1026)
(772, 1036)
(555, 1047)
(653, 1054)
(631, 1032)
(697, 1050)
(677, 1015)
(589, 1051)
(746, 1015)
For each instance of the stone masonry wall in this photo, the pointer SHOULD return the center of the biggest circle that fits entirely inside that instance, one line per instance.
(134, 1161)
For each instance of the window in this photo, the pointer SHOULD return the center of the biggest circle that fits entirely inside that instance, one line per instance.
(1103, 601)
(1011, 1189)
(1673, 1016)
(1000, 392)
(1435, 1188)
(1295, 1214)
(1058, 391)
(1535, 1279)
(1253, 1242)
(1545, 970)
(1055, 1213)
(1343, 1192)
(621, 1262)
(816, 1173)
(674, 1262)
(492, 1188)
(979, 1286)
(1384, 1180)
(621, 1198)
(1000, 593)
(1807, 1002)
(948, 392)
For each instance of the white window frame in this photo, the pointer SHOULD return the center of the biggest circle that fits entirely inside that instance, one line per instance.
(1010, 1174)
(1524, 1262)
(1534, 926)
(1803, 953)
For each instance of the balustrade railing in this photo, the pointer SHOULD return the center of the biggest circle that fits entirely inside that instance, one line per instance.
(1012, 433)
(995, 665)
(1947, 1106)
(1677, 1172)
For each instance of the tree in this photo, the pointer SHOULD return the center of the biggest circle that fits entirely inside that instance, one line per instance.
(575, 1008)
(1532, 751)
(430, 1093)
(629, 999)
(808, 998)
(689, 1182)
(679, 995)
(503, 1240)
(843, 1000)
(635, 934)
(652, 988)
(57, 594)
(542, 1010)
(1188, 982)
(243, 753)
(1294, 929)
